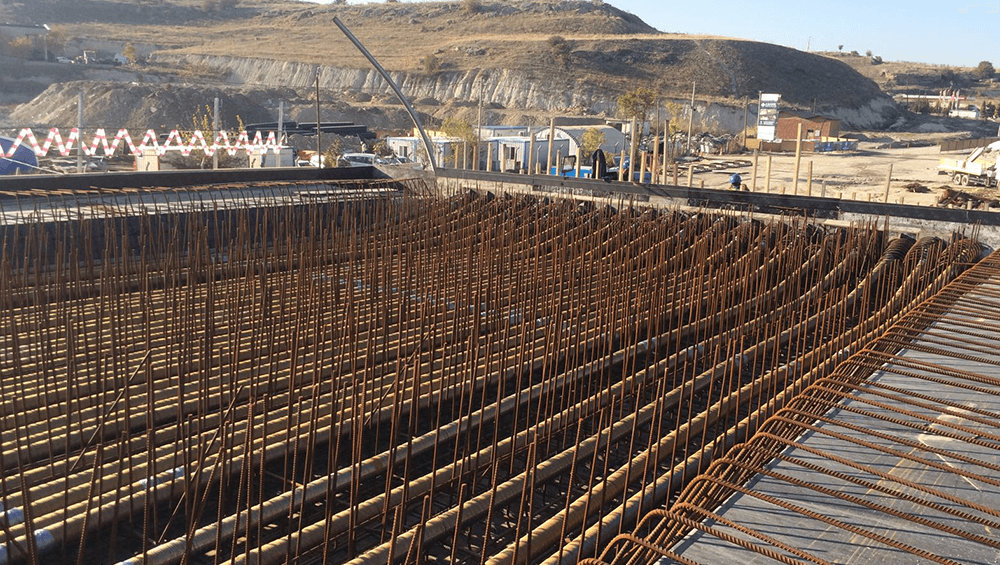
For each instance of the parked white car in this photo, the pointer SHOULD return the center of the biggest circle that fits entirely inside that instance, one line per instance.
(362, 160)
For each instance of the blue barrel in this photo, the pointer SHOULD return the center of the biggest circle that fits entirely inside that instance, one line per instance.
(23, 158)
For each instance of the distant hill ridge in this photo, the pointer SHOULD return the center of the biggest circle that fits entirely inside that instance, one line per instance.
(189, 11)
(538, 55)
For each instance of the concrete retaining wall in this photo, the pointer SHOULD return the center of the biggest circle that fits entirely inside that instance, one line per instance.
(918, 221)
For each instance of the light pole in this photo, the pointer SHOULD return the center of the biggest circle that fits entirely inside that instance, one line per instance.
(319, 128)
(479, 125)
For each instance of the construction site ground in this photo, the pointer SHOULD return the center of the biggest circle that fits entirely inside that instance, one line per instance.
(858, 175)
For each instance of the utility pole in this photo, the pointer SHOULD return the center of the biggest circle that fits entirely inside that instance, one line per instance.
(691, 117)
(215, 133)
(79, 138)
(746, 106)
(658, 122)
(479, 125)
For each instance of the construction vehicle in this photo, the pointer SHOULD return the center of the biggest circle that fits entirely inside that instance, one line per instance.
(978, 169)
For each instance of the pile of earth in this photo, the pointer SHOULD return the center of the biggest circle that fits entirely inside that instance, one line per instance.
(168, 106)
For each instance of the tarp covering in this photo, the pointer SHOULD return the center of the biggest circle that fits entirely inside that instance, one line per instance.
(23, 158)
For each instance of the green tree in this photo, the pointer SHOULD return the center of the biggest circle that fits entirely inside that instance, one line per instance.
(202, 121)
(457, 127)
(636, 103)
(675, 112)
(591, 141)
(984, 70)
(335, 148)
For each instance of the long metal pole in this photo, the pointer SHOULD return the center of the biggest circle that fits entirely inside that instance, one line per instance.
(319, 130)
(691, 117)
(79, 128)
(395, 88)
(746, 108)
(798, 160)
(281, 132)
(281, 119)
(479, 124)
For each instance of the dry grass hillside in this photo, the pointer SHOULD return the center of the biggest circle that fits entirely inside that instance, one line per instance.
(911, 77)
(554, 44)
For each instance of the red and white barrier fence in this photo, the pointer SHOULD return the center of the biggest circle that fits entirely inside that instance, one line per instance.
(174, 142)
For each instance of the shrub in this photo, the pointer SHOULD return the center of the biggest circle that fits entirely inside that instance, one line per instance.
(130, 54)
(431, 63)
(560, 47)
(20, 47)
(920, 106)
(472, 6)
(984, 70)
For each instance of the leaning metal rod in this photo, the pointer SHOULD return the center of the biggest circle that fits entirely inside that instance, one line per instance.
(395, 88)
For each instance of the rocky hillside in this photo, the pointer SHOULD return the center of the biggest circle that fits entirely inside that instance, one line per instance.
(524, 57)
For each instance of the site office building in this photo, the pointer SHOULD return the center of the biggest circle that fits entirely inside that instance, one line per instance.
(813, 127)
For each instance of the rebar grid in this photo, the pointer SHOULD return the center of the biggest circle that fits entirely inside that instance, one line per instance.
(903, 439)
(324, 374)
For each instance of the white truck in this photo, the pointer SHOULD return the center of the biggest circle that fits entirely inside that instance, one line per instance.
(979, 168)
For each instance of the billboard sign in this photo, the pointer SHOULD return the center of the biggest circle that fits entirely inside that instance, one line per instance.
(767, 116)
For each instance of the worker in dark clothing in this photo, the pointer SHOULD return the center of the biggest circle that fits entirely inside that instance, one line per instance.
(599, 165)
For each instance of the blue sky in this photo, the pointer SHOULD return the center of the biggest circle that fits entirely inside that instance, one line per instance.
(947, 32)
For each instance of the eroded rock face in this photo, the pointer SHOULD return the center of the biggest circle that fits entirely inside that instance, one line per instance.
(512, 89)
